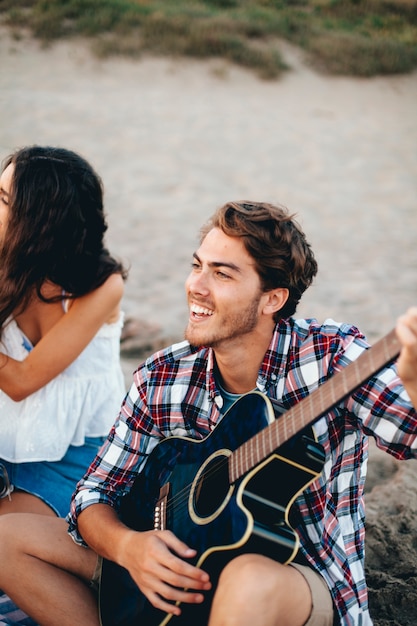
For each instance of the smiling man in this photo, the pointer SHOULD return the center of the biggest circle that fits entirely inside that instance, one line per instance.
(229, 309)
(186, 553)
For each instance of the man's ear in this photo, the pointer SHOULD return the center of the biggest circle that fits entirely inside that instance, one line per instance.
(275, 300)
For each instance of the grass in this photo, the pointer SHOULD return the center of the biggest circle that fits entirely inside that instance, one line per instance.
(345, 37)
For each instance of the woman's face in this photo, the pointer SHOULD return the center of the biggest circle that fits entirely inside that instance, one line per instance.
(5, 189)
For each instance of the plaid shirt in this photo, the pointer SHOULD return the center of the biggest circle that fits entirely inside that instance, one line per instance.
(174, 393)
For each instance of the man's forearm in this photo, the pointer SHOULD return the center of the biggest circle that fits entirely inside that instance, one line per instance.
(104, 533)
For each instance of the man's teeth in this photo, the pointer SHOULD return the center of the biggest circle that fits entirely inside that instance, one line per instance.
(199, 310)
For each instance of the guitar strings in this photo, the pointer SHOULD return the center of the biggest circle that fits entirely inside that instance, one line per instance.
(325, 396)
(245, 455)
(182, 496)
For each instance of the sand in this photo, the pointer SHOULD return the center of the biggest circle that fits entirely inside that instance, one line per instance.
(173, 139)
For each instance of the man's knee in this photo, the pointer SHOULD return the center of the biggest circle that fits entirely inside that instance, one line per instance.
(252, 572)
(253, 585)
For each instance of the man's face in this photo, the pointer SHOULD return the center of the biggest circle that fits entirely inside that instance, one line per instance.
(223, 292)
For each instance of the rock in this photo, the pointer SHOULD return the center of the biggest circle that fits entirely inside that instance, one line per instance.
(391, 540)
(140, 339)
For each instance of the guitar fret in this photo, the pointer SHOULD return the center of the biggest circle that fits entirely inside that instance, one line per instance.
(317, 403)
(269, 441)
(258, 453)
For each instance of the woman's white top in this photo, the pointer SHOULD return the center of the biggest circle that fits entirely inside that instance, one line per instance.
(83, 401)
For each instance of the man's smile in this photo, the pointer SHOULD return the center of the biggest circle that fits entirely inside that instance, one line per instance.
(200, 311)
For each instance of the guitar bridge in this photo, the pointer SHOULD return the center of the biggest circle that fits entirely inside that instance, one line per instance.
(160, 517)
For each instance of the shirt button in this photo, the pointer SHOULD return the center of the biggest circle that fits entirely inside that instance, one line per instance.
(219, 401)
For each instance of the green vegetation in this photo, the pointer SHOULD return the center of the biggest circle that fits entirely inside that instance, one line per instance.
(350, 37)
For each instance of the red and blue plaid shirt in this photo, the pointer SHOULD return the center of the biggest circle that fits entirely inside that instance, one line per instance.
(175, 393)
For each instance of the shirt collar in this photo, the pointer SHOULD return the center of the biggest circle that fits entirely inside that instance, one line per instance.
(273, 365)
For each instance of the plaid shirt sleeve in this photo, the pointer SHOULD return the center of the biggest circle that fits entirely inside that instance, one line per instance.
(329, 515)
(116, 465)
(161, 402)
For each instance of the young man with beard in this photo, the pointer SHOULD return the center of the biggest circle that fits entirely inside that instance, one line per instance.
(247, 277)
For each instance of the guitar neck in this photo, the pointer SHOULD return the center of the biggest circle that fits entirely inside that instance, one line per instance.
(320, 401)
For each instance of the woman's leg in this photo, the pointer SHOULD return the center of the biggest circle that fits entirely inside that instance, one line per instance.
(45, 573)
(21, 502)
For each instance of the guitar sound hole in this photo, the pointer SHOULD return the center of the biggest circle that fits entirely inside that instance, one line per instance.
(212, 487)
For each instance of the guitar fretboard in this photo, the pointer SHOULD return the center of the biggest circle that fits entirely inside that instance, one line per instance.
(316, 404)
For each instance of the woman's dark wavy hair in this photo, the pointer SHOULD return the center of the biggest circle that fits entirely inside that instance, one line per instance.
(282, 255)
(55, 229)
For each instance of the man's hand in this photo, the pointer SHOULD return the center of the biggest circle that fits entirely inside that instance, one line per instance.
(407, 361)
(156, 560)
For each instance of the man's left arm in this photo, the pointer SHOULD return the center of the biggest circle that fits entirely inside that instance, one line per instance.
(406, 329)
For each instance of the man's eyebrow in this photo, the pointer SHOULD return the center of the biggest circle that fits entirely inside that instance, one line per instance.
(231, 266)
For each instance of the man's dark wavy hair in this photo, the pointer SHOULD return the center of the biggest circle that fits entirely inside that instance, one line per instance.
(55, 229)
(275, 241)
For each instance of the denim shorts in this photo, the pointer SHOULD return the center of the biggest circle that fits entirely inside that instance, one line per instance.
(54, 481)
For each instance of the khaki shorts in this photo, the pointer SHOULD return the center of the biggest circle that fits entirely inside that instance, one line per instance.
(322, 613)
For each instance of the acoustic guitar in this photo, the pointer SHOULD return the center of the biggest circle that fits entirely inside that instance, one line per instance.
(232, 492)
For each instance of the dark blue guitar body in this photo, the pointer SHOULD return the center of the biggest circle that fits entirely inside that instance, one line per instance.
(209, 512)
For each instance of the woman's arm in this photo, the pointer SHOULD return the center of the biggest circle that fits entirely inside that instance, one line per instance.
(63, 343)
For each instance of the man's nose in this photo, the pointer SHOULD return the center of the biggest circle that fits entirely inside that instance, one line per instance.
(198, 283)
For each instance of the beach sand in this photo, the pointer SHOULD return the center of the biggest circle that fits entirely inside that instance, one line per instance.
(173, 139)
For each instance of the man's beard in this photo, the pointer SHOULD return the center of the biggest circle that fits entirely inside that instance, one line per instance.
(228, 328)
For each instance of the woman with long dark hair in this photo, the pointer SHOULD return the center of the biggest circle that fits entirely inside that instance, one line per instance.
(61, 383)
